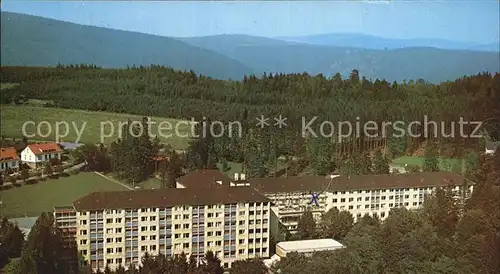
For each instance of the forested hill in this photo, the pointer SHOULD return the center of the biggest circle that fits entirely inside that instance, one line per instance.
(271, 56)
(158, 91)
(37, 41)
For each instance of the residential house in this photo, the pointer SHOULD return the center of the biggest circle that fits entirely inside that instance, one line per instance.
(9, 159)
(36, 155)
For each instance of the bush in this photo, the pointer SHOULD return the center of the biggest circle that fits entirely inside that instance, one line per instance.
(43, 179)
(54, 176)
(65, 174)
(5, 187)
(31, 182)
(17, 185)
(74, 172)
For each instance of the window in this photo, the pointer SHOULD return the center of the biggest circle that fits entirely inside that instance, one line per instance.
(143, 238)
(152, 218)
(109, 250)
(335, 200)
(152, 237)
(144, 248)
(342, 200)
(83, 242)
(109, 240)
(152, 228)
(351, 199)
(144, 228)
(118, 240)
(185, 226)
(118, 220)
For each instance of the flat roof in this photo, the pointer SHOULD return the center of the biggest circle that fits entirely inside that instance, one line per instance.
(310, 245)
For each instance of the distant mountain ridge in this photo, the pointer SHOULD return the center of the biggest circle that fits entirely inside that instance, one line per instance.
(272, 55)
(374, 42)
(36, 41)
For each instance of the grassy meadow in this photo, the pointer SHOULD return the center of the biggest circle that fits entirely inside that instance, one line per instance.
(444, 163)
(89, 123)
(31, 200)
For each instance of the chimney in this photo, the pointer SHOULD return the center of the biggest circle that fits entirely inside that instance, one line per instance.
(236, 177)
(242, 176)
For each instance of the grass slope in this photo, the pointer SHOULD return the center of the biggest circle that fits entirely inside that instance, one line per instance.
(444, 163)
(13, 118)
(268, 55)
(31, 200)
(36, 41)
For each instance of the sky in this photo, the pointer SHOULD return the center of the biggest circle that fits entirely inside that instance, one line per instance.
(468, 21)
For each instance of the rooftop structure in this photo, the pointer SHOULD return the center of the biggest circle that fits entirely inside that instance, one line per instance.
(307, 246)
(205, 178)
(166, 197)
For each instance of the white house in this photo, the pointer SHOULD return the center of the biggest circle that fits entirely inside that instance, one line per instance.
(9, 159)
(38, 154)
(491, 147)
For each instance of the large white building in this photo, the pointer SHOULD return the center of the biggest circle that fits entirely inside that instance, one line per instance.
(374, 195)
(113, 228)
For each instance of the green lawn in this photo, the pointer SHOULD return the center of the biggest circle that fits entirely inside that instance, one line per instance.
(444, 163)
(13, 118)
(7, 85)
(31, 200)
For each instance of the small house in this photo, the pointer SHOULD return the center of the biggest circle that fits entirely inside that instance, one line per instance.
(36, 155)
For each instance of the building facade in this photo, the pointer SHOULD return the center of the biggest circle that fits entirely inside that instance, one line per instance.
(118, 228)
(374, 195)
(35, 155)
(9, 159)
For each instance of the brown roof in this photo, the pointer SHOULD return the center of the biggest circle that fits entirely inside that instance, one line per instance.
(167, 197)
(8, 154)
(357, 182)
(44, 148)
(204, 178)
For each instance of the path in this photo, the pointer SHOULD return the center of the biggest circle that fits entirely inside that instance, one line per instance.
(113, 180)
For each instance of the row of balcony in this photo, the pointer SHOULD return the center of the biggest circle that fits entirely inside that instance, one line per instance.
(95, 236)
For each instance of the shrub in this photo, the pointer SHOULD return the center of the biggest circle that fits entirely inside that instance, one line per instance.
(54, 176)
(17, 184)
(65, 174)
(5, 187)
(31, 181)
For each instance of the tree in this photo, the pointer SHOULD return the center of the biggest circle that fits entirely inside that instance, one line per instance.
(306, 228)
(43, 252)
(249, 266)
(48, 169)
(25, 174)
(213, 264)
(11, 241)
(336, 224)
(442, 211)
(381, 163)
(431, 160)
